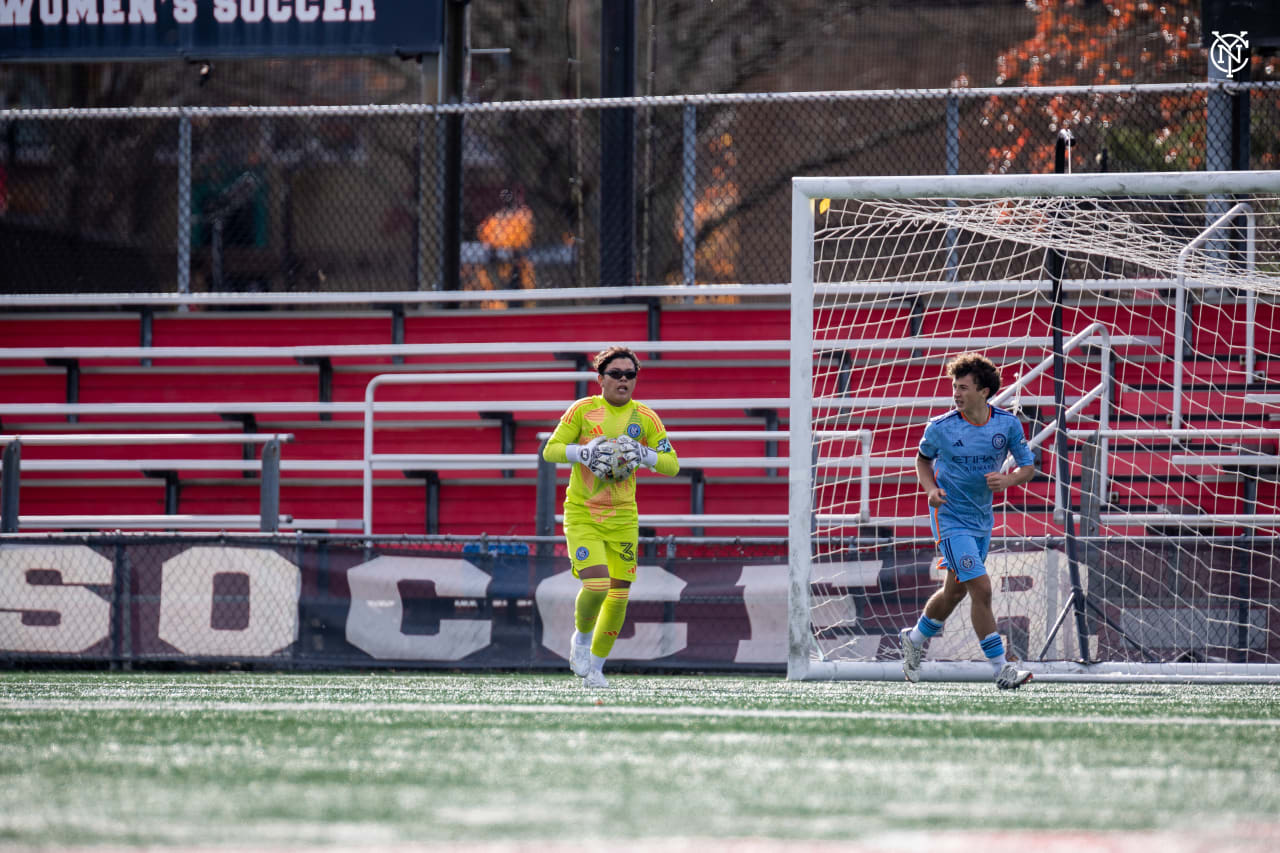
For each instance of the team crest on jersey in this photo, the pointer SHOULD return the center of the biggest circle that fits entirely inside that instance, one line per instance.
(634, 430)
(998, 441)
(582, 553)
(967, 562)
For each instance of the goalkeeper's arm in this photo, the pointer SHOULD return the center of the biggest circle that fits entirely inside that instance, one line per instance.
(562, 446)
(665, 461)
(598, 456)
(661, 460)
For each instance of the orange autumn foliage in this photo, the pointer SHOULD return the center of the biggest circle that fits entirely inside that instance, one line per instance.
(1078, 43)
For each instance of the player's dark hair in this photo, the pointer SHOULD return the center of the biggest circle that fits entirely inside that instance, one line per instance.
(602, 359)
(977, 365)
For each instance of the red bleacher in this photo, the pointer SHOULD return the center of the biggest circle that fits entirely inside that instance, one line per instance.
(488, 502)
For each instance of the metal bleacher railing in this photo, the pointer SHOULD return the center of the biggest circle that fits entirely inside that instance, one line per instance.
(372, 461)
(506, 461)
(546, 475)
(321, 358)
(37, 413)
(268, 520)
(141, 357)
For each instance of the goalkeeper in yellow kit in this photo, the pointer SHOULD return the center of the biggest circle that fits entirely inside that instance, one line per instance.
(601, 524)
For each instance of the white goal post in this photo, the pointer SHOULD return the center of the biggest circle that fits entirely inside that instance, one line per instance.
(1136, 321)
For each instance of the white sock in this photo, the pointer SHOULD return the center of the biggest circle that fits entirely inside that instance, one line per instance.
(597, 663)
(917, 639)
(581, 639)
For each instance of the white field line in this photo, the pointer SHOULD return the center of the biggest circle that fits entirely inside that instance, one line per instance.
(1255, 838)
(1248, 838)
(431, 708)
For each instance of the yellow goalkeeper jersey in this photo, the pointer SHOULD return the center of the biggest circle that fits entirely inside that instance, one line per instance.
(609, 505)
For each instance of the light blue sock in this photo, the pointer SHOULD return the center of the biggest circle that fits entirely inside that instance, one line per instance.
(924, 629)
(993, 648)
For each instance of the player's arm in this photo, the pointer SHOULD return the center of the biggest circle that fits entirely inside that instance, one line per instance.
(998, 482)
(662, 457)
(658, 455)
(1022, 457)
(925, 454)
(924, 473)
(563, 445)
(654, 452)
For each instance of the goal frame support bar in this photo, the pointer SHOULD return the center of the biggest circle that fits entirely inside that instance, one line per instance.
(799, 477)
(1051, 671)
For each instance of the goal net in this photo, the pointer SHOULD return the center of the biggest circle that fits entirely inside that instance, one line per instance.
(1134, 319)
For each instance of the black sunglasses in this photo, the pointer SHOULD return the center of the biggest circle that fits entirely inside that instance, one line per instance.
(621, 374)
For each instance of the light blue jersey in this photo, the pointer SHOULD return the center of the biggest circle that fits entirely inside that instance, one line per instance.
(963, 454)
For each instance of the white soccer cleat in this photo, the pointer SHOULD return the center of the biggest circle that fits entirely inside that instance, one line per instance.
(1011, 678)
(595, 679)
(911, 655)
(579, 656)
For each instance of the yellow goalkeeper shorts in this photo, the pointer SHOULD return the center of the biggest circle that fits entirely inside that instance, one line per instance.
(590, 548)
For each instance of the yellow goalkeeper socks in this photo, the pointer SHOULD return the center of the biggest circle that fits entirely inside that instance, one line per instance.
(588, 604)
(612, 614)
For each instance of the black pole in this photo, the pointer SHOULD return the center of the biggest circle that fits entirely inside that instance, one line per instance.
(269, 491)
(1053, 263)
(9, 486)
(545, 500)
(455, 26)
(432, 522)
(1244, 570)
(544, 519)
(617, 144)
(1240, 120)
(416, 272)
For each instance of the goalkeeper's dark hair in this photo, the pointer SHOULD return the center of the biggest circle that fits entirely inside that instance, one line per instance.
(982, 369)
(602, 359)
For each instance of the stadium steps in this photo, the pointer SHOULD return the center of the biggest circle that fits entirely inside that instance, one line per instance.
(470, 503)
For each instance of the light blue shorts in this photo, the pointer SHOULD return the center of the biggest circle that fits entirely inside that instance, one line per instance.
(964, 555)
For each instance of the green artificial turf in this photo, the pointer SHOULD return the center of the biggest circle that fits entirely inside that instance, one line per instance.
(233, 759)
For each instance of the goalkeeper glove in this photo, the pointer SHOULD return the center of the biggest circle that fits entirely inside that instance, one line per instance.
(573, 452)
(598, 455)
(636, 454)
(580, 452)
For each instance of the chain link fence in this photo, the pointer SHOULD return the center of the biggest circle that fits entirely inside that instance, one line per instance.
(356, 199)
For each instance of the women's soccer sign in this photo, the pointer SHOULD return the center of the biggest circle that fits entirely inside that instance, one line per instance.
(78, 30)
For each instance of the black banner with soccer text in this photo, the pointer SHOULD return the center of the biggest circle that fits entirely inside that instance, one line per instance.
(346, 603)
(118, 30)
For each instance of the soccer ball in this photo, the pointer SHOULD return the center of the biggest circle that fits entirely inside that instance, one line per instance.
(611, 452)
(612, 459)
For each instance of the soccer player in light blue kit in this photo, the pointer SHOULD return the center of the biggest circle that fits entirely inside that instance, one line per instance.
(958, 466)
